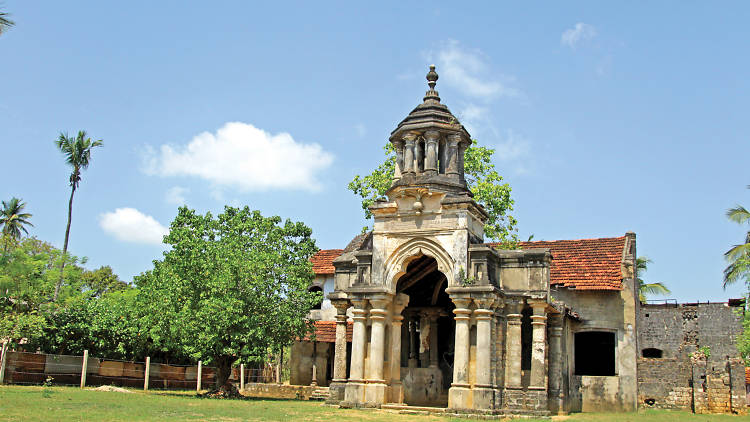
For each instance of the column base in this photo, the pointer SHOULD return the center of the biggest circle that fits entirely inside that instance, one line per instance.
(484, 398)
(396, 393)
(354, 394)
(459, 397)
(514, 398)
(375, 394)
(336, 392)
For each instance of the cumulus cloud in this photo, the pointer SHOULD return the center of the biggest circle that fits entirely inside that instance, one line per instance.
(580, 32)
(241, 156)
(176, 195)
(131, 225)
(467, 70)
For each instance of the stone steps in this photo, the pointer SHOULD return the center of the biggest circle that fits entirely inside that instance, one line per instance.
(416, 409)
(320, 393)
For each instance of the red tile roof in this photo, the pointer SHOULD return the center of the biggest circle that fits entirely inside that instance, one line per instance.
(585, 264)
(325, 331)
(323, 261)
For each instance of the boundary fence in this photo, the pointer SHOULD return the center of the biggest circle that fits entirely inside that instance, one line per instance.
(18, 367)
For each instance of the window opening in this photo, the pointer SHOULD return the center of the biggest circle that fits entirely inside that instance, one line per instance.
(595, 353)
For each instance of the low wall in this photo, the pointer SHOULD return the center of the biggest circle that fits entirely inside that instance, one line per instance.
(278, 391)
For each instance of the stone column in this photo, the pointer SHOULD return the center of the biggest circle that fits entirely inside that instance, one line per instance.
(556, 393)
(409, 153)
(338, 383)
(355, 388)
(539, 344)
(413, 343)
(431, 159)
(314, 378)
(499, 352)
(419, 157)
(433, 316)
(399, 145)
(459, 395)
(461, 150)
(452, 155)
(513, 397)
(375, 388)
(483, 392)
(397, 389)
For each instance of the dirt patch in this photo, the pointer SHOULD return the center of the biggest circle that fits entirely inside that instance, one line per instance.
(112, 388)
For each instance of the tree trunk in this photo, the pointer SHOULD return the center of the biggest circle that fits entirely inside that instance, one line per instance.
(65, 244)
(223, 371)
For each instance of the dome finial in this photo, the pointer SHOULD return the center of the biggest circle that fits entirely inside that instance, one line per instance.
(432, 78)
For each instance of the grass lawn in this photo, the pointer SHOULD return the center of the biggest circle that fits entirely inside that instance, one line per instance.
(73, 404)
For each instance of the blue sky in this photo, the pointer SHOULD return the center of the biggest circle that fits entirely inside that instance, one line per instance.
(606, 118)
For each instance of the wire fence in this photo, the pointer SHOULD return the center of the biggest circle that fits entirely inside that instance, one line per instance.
(25, 368)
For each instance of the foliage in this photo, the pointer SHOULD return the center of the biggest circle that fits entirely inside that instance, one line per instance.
(231, 287)
(647, 289)
(102, 280)
(481, 176)
(739, 255)
(13, 221)
(5, 22)
(77, 153)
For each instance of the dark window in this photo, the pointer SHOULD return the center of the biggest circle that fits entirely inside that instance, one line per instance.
(595, 353)
(317, 289)
(526, 339)
(652, 353)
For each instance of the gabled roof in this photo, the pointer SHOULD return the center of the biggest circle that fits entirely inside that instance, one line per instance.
(325, 331)
(323, 261)
(585, 264)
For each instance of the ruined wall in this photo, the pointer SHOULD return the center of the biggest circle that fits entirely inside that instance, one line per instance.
(681, 378)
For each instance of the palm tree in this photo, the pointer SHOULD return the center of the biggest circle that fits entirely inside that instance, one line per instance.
(77, 152)
(5, 23)
(739, 256)
(646, 289)
(13, 220)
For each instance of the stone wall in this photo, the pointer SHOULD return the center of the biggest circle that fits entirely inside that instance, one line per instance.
(682, 378)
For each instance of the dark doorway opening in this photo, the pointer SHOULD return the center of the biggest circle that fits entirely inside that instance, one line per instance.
(595, 353)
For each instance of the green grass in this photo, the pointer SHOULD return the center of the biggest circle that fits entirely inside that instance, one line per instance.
(73, 404)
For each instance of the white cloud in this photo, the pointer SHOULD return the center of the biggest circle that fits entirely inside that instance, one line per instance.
(242, 156)
(176, 195)
(580, 32)
(467, 70)
(131, 225)
(514, 151)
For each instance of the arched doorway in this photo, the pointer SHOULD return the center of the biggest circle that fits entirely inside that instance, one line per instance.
(427, 334)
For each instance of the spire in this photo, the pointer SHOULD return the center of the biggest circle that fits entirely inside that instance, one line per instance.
(432, 77)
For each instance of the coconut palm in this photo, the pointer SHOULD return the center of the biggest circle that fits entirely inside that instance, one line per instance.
(647, 289)
(739, 256)
(13, 220)
(77, 152)
(5, 23)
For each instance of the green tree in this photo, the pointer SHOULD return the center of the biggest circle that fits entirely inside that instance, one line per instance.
(481, 176)
(231, 287)
(13, 221)
(647, 289)
(102, 280)
(739, 255)
(77, 152)
(5, 22)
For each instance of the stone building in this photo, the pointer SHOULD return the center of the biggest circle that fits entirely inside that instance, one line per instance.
(440, 318)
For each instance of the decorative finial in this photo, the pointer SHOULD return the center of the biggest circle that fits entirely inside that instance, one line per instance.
(432, 78)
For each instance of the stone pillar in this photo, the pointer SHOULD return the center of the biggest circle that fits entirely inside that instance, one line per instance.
(413, 343)
(433, 316)
(537, 393)
(409, 153)
(314, 377)
(499, 352)
(461, 150)
(513, 396)
(483, 391)
(355, 388)
(556, 394)
(431, 158)
(399, 168)
(397, 389)
(419, 157)
(459, 395)
(375, 388)
(452, 155)
(338, 383)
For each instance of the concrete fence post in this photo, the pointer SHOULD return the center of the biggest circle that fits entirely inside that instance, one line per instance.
(84, 367)
(148, 372)
(200, 376)
(3, 359)
(242, 376)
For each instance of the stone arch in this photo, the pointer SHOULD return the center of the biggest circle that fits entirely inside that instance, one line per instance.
(395, 265)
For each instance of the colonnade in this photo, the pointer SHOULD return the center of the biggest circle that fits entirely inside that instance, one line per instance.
(430, 154)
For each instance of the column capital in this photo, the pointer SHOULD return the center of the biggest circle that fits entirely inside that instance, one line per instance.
(341, 305)
(431, 136)
(398, 143)
(454, 139)
(399, 303)
(409, 137)
(484, 303)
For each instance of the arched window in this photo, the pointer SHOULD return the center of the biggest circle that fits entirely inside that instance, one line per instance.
(316, 289)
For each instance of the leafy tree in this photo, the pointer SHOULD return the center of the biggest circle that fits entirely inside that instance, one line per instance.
(5, 22)
(647, 289)
(739, 256)
(102, 280)
(77, 152)
(481, 176)
(231, 287)
(13, 221)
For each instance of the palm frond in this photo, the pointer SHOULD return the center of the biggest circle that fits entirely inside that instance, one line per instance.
(738, 214)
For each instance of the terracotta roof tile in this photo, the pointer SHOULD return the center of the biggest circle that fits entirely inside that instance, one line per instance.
(585, 264)
(325, 331)
(323, 261)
